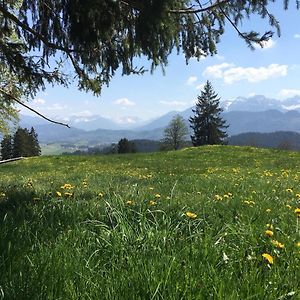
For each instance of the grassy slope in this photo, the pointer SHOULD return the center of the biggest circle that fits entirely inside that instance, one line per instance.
(109, 241)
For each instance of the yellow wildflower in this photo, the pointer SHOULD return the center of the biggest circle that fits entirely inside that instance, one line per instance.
(68, 194)
(268, 257)
(100, 195)
(298, 244)
(268, 210)
(297, 211)
(58, 194)
(289, 190)
(2, 194)
(129, 202)
(270, 226)
(288, 206)
(191, 215)
(67, 186)
(157, 196)
(218, 197)
(152, 202)
(277, 244)
(229, 194)
(269, 233)
(298, 195)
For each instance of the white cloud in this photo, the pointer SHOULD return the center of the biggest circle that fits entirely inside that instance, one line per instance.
(297, 36)
(39, 101)
(124, 102)
(173, 103)
(191, 80)
(230, 74)
(288, 93)
(216, 71)
(265, 45)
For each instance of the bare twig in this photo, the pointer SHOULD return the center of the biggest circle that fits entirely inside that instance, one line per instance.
(199, 10)
(31, 109)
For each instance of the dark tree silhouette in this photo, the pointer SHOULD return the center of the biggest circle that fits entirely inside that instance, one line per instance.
(207, 123)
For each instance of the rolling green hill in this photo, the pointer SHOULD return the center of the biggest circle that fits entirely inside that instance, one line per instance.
(215, 222)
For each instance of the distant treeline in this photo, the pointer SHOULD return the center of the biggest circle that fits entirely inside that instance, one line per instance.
(285, 140)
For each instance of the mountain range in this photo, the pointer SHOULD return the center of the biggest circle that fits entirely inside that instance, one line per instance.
(252, 114)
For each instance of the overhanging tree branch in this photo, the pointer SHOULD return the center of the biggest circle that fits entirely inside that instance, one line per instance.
(13, 18)
(31, 109)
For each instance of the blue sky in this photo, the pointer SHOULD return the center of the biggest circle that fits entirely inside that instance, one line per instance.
(273, 71)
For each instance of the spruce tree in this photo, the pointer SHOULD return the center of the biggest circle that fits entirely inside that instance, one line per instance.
(35, 148)
(208, 126)
(6, 147)
(21, 144)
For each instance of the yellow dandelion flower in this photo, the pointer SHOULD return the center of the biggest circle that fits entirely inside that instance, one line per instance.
(277, 244)
(289, 190)
(270, 226)
(58, 194)
(297, 211)
(68, 194)
(268, 210)
(2, 194)
(67, 186)
(152, 202)
(100, 195)
(191, 215)
(298, 195)
(151, 188)
(218, 197)
(269, 233)
(129, 202)
(298, 244)
(268, 257)
(157, 196)
(288, 206)
(229, 194)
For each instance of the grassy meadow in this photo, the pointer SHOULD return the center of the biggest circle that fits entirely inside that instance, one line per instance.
(214, 222)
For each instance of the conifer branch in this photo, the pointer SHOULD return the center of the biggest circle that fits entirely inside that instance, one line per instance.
(31, 109)
(25, 27)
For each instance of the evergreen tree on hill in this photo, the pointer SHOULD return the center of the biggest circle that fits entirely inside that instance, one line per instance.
(21, 145)
(35, 146)
(207, 123)
(6, 147)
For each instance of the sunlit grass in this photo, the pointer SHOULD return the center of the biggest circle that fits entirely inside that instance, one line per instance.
(208, 223)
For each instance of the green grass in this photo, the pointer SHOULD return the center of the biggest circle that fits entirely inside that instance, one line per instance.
(107, 240)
